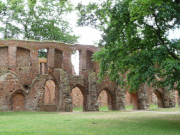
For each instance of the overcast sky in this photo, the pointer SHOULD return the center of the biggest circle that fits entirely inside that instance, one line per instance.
(87, 35)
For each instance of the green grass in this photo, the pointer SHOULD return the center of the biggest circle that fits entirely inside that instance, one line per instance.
(80, 109)
(174, 109)
(152, 107)
(91, 123)
(77, 109)
(130, 107)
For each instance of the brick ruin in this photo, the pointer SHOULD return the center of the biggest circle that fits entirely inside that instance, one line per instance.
(33, 84)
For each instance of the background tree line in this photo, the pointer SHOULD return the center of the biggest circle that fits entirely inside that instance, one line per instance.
(135, 48)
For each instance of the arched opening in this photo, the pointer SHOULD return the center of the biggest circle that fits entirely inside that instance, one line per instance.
(134, 100)
(153, 100)
(50, 96)
(177, 99)
(49, 93)
(42, 59)
(159, 98)
(77, 99)
(18, 101)
(105, 100)
(128, 101)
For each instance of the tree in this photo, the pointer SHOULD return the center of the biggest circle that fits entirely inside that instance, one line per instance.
(135, 41)
(36, 20)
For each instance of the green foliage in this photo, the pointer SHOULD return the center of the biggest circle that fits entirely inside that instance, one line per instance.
(36, 20)
(42, 53)
(135, 41)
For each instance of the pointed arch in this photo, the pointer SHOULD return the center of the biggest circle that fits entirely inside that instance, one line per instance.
(50, 93)
(83, 97)
(110, 98)
(160, 98)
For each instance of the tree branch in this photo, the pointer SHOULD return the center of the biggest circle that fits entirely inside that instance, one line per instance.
(158, 32)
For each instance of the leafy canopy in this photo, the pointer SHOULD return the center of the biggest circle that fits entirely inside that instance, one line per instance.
(135, 48)
(36, 20)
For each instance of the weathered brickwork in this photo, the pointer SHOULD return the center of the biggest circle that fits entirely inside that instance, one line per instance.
(33, 84)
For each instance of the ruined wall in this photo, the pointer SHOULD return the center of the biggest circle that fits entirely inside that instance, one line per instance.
(33, 84)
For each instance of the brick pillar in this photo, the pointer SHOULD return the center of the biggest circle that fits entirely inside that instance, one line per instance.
(92, 104)
(82, 61)
(43, 68)
(65, 100)
(50, 58)
(120, 98)
(143, 97)
(12, 56)
(34, 61)
(168, 98)
(67, 65)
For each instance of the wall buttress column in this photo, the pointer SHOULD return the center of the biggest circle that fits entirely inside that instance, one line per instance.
(82, 61)
(67, 65)
(120, 98)
(50, 57)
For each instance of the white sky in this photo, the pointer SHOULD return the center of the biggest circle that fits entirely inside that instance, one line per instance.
(87, 35)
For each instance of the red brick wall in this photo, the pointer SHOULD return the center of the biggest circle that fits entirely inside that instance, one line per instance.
(23, 57)
(18, 102)
(58, 59)
(3, 56)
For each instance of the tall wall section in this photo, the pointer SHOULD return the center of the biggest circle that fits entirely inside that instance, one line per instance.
(33, 84)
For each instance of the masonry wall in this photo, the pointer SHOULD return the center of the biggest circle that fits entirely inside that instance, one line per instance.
(4, 56)
(32, 84)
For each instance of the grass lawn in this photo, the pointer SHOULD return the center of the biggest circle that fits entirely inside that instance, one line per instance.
(153, 122)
